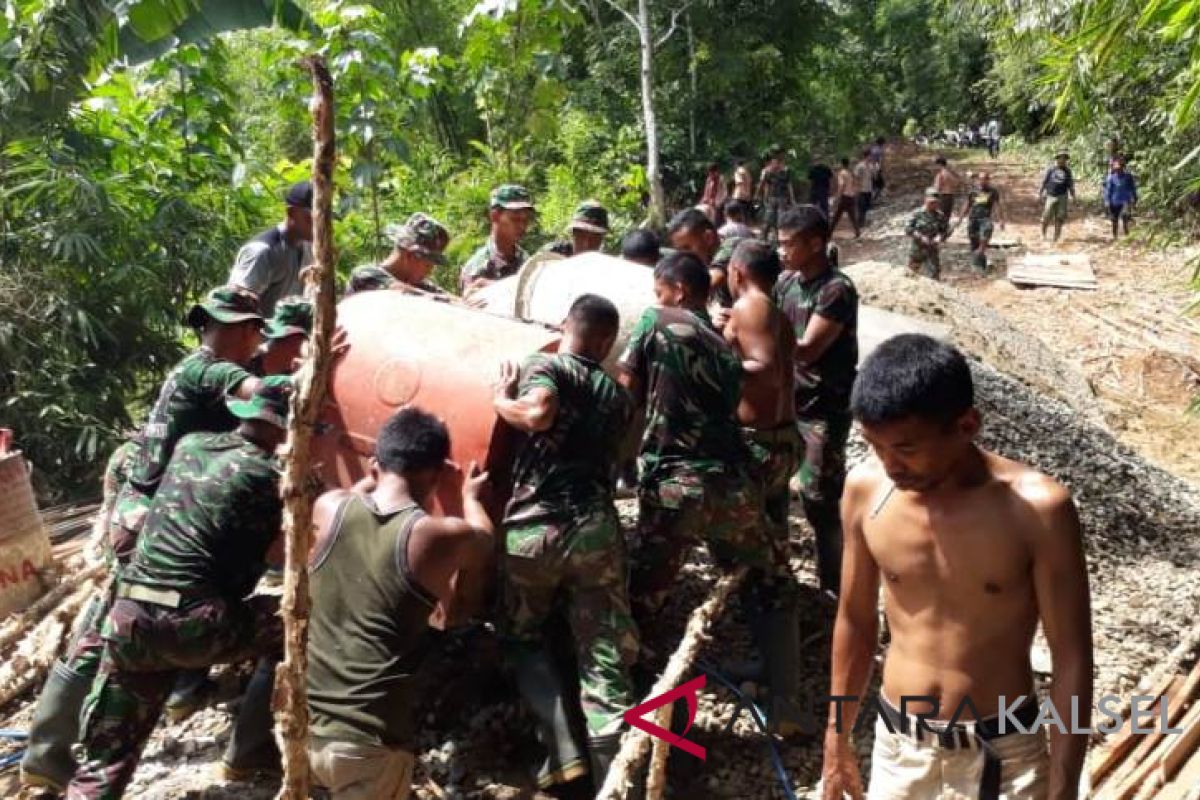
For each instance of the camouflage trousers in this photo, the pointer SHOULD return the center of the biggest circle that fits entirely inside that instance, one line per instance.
(577, 565)
(677, 511)
(145, 647)
(979, 232)
(822, 476)
(775, 455)
(773, 209)
(925, 259)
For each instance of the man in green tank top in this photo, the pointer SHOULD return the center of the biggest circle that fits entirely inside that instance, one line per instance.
(383, 571)
(563, 543)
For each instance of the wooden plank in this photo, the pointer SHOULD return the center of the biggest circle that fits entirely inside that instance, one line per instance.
(1118, 746)
(1186, 784)
(1134, 769)
(1070, 270)
(1146, 777)
(1182, 746)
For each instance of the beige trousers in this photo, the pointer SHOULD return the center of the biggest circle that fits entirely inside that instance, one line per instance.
(905, 769)
(355, 771)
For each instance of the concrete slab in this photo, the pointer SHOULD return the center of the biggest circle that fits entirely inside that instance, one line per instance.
(876, 326)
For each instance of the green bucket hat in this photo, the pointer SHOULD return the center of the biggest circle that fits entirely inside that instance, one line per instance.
(590, 216)
(510, 197)
(725, 251)
(269, 403)
(422, 235)
(293, 316)
(226, 304)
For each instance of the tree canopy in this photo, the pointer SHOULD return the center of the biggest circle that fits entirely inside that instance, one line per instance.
(142, 142)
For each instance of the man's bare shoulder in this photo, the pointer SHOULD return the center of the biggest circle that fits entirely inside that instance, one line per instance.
(1043, 497)
(753, 310)
(448, 530)
(863, 482)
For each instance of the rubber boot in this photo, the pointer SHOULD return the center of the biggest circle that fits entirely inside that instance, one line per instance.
(542, 689)
(252, 749)
(601, 752)
(780, 645)
(54, 729)
(193, 691)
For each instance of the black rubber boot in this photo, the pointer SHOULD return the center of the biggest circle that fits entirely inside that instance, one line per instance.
(601, 751)
(781, 649)
(542, 689)
(54, 729)
(252, 749)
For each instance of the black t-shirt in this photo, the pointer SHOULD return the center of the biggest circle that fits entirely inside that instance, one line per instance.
(820, 177)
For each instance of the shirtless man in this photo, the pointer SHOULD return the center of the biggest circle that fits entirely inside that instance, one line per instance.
(847, 200)
(946, 182)
(973, 551)
(762, 338)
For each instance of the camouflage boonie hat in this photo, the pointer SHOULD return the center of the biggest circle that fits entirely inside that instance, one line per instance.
(421, 235)
(293, 316)
(932, 192)
(510, 197)
(590, 216)
(269, 403)
(225, 304)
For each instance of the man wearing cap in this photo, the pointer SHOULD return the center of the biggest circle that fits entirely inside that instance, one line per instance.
(191, 399)
(509, 211)
(589, 226)
(924, 230)
(284, 336)
(182, 602)
(417, 248)
(1057, 185)
(269, 265)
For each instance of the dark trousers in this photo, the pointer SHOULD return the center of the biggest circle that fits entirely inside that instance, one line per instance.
(822, 477)
(848, 205)
(864, 205)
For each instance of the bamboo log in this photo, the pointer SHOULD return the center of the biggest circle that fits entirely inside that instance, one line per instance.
(656, 780)
(297, 488)
(635, 742)
(19, 624)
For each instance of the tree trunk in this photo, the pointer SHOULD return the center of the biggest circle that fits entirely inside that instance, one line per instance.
(658, 201)
(693, 79)
(298, 486)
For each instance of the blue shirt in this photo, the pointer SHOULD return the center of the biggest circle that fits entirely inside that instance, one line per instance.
(1119, 189)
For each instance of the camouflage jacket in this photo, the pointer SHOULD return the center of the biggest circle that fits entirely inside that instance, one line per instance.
(487, 262)
(569, 469)
(928, 223)
(191, 399)
(212, 520)
(822, 387)
(690, 382)
(370, 277)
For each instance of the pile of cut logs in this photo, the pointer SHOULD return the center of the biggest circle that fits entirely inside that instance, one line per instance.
(1163, 764)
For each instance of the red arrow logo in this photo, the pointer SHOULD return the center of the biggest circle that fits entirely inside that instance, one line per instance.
(636, 716)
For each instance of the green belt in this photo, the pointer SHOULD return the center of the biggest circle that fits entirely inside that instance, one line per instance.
(170, 598)
(786, 432)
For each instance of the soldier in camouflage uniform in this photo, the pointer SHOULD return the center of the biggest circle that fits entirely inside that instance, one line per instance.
(510, 211)
(694, 479)
(180, 602)
(285, 335)
(417, 248)
(821, 303)
(563, 540)
(192, 399)
(776, 192)
(589, 226)
(924, 230)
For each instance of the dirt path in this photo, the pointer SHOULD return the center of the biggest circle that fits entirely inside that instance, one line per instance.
(1129, 338)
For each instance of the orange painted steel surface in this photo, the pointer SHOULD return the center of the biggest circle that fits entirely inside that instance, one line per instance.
(438, 355)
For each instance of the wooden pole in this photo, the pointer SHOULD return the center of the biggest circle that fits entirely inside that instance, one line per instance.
(298, 487)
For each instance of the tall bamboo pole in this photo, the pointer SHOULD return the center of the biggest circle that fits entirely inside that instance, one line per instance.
(298, 487)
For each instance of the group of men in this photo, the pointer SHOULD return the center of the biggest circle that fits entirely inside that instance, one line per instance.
(735, 406)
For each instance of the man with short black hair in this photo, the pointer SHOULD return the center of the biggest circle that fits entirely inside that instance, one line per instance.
(510, 210)
(181, 602)
(383, 571)
(847, 200)
(690, 231)
(641, 247)
(973, 551)
(563, 543)
(694, 482)
(735, 222)
(762, 338)
(589, 226)
(270, 264)
(821, 303)
(1058, 184)
(417, 248)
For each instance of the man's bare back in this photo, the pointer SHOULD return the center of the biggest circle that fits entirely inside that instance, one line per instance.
(763, 339)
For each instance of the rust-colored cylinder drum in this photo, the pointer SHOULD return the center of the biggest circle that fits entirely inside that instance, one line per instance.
(438, 355)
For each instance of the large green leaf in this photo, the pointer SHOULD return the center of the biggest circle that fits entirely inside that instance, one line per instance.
(154, 27)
